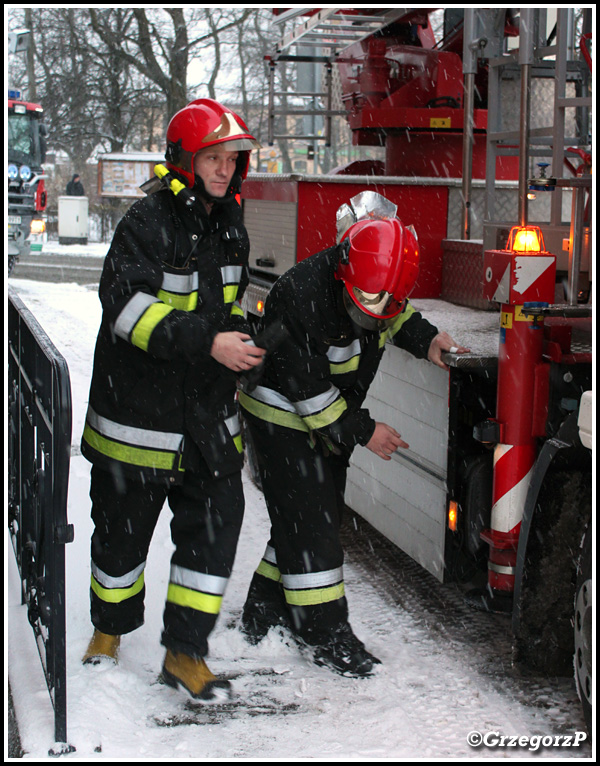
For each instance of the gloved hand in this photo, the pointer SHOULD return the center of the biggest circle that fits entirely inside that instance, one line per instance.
(270, 338)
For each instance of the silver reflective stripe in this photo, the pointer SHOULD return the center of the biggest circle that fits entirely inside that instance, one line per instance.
(313, 579)
(338, 354)
(501, 569)
(233, 425)
(270, 555)
(317, 403)
(180, 283)
(139, 437)
(124, 581)
(231, 274)
(205, 583)
(274, 398)
(130, 315)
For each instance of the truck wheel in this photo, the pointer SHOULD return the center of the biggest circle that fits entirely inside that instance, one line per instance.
(545, 640)
(583, 629)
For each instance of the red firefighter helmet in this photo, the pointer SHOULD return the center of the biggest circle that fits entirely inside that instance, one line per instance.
(204, 123)
(379, 267)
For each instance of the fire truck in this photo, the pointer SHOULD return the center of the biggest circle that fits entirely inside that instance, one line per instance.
(27, 196)
(487, 153)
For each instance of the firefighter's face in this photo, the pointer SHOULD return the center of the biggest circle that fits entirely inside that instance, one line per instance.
(215, 165)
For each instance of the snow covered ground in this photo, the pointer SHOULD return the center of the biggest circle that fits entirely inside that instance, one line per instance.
(422, 704)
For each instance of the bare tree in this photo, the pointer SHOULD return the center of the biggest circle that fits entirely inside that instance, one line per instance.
(161, 48)
(64, 62)
(112, 77)
(129, 99)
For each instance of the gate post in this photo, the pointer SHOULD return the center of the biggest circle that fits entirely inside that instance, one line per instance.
(39, 451)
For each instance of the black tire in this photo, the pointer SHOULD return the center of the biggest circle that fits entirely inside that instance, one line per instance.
(545, 640)
(582, 632)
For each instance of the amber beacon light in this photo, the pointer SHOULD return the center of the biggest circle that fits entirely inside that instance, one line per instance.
(526, 239)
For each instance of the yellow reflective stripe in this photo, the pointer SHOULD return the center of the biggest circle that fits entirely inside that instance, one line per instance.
(272, 414)
(182, 302)
(237, 310)
(268, 570)
(398, 322)
(144, 328)
(230, 293)
(201, 602)
(291, 420)
(233, 426)
(127, 454)
(164, 441)
(314, 595)
(116, 595)
(328, 416)
(339, 368)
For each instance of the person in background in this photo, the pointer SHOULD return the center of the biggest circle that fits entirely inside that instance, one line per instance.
(162, 422)
(340, 307)
(75, 187)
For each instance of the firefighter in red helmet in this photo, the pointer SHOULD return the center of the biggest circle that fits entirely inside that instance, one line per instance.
(202, 124)
(306, 416)
(162, 422)
(381, 271)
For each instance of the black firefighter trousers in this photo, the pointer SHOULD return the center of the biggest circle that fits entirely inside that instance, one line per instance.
(207, 517)
(304, 487)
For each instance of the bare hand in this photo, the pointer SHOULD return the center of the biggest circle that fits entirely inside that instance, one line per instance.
(443, 342)
(229, 349)
(385, 441)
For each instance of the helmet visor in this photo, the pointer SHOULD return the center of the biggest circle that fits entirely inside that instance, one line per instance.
(230, 130)
(382, 305)
(240, 144)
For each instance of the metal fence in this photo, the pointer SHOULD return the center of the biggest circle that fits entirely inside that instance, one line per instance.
(39, 446)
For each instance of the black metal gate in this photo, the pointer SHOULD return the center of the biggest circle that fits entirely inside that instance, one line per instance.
(39, 447)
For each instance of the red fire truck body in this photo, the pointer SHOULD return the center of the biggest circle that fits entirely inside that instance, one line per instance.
(308, 206)
(497, 480)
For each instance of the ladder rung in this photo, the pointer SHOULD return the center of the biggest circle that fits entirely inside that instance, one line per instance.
(328, 35)
(343, 27)
(574, 101)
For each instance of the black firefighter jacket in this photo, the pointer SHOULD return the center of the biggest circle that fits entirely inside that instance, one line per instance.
(317, 379)
(173, 278)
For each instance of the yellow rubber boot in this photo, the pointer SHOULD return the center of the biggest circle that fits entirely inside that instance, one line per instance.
(102, 647)
(193, 675)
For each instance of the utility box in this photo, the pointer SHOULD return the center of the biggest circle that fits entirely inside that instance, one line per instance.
(73, 220)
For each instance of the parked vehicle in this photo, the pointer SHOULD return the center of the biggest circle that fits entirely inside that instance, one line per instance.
(497, 481)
